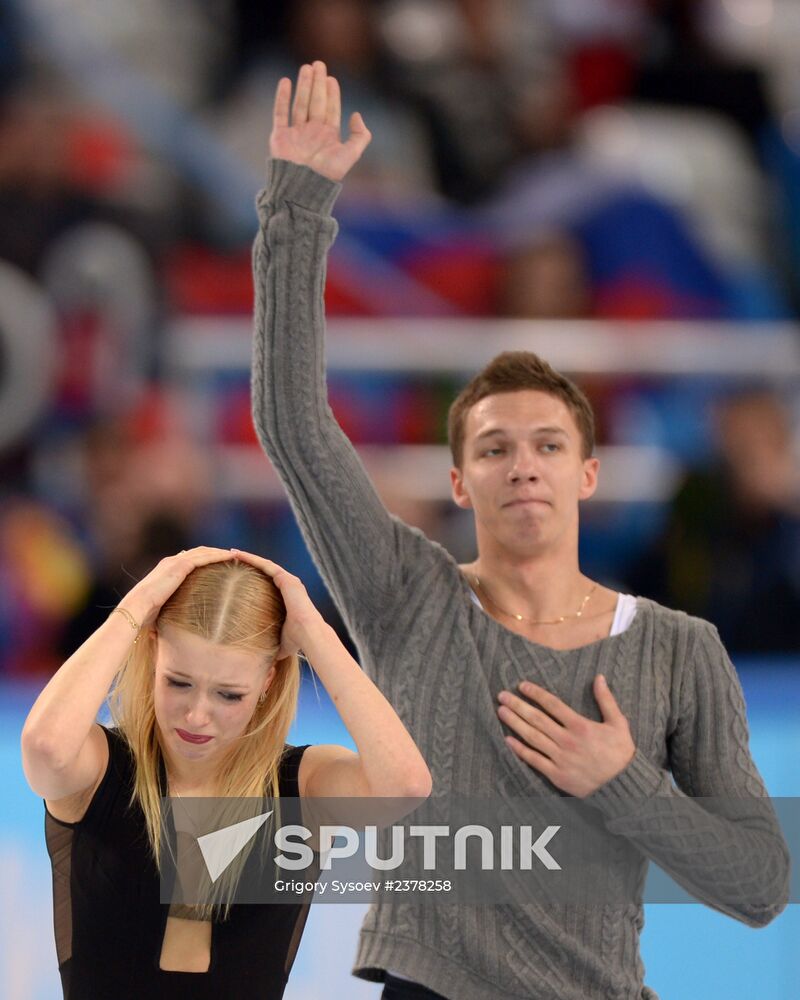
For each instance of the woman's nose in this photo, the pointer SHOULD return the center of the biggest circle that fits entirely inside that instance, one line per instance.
(198, 712)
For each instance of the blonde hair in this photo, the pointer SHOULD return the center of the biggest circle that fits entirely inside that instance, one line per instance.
(232, 604)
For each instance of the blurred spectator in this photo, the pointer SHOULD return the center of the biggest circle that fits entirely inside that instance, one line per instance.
(344, 34)
(661, 212)
(546, 279)
(731, 548)
(147, 487)
(61, 165)
(159, 535)
(259, 27)
(682, 65)
(470, 65)
(765, 35)
(38, 199)
(601, 39)
(44, 579)
(178, 47)
(582, 201)
(11, 60)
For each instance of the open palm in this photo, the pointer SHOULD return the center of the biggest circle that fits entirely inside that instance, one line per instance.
(308, 131)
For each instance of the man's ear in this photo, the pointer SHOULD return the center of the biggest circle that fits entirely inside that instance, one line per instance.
(589, 477)
(460, 496)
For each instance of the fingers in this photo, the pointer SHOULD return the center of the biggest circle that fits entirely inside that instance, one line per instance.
(318, 100)
(523, 721)
(280, 110)
(533, 758)
(265, 565)
(333, 115)
(360, 135)
(606, 701)
(163, 580)
(554, 706)
(201, 555)
(302, 95)
(311, 94)
(532, 716)
(280, 576)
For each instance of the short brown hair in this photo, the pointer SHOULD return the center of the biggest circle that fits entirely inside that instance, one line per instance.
(510, 372)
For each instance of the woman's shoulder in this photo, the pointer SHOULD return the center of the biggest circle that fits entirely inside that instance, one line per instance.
(289, 769)
(109, 751)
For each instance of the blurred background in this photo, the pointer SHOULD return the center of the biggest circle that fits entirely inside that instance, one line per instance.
(614, 184)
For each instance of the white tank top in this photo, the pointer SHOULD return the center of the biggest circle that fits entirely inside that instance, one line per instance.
(623, 614)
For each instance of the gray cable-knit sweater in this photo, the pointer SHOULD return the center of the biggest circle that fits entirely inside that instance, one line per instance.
(441, 661)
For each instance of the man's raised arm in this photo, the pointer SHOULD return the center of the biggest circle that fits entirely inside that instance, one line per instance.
(364, 553)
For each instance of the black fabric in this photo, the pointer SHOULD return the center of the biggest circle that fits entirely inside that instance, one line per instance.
(404, 989)
(109, 922)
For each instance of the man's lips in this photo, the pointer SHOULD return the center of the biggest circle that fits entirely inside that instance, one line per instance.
(192, 737)
(520, 501)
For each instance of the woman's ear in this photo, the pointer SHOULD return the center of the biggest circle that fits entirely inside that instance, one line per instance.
(151, 635)
(269, 679)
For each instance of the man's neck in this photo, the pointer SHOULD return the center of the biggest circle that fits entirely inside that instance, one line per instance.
(540, 588)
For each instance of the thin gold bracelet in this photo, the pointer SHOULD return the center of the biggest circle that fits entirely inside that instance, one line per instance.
(130, 620)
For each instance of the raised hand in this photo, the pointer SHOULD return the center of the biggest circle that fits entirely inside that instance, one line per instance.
(303, 621)
(576, 754)
(145, 600)
(308, 131)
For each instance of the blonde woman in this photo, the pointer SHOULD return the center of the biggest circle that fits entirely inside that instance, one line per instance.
(201, 660)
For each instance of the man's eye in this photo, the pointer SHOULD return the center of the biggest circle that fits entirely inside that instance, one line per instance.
(493, 451)
(551, 446)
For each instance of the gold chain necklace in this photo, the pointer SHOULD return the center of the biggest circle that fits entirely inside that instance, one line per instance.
(530, 621)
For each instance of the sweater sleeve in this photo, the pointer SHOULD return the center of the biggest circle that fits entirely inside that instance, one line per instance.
(714, 830)
(365, 555)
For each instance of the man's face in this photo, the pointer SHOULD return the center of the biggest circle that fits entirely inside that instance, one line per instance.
(522, 471)
(202, 690)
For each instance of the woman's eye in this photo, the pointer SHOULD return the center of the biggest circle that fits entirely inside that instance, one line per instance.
(225, 695)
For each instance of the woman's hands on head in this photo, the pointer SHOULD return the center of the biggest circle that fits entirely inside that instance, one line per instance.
(145, 600)
(388, 763)
(308, 131)
(303, 622)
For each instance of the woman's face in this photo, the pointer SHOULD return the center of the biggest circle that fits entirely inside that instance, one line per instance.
(205, 694)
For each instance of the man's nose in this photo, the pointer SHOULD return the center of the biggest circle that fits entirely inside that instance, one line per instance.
(524, 467)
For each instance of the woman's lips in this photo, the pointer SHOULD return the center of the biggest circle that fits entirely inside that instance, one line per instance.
(192, 738)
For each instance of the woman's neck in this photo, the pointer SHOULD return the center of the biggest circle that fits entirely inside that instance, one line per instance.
(188, 778)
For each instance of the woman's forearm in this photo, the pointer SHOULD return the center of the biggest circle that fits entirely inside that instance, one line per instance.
(64, 712)
(391, 762)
